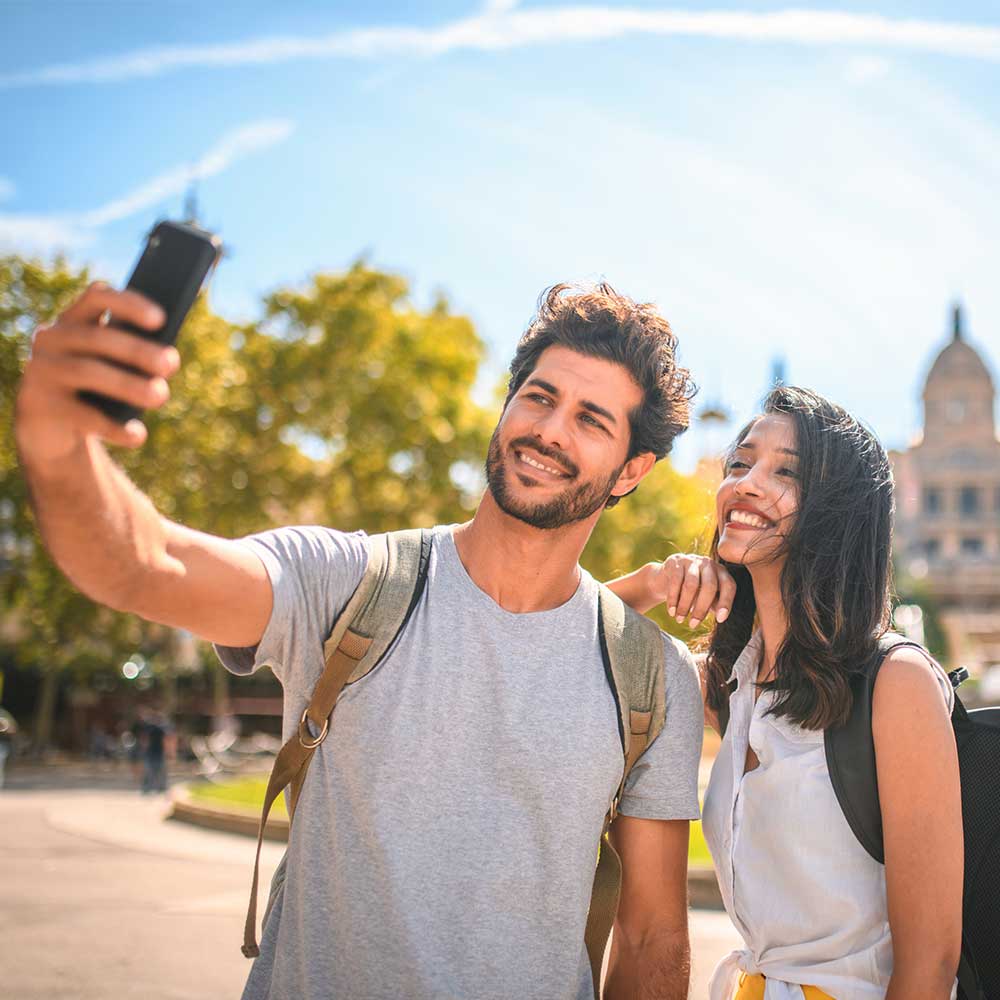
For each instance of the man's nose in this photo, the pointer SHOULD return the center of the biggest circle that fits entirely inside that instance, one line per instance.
(551, 427)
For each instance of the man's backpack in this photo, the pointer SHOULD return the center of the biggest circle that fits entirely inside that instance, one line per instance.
(378, 611)
(850, 757)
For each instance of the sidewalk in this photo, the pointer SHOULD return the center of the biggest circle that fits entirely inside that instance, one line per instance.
(104, 898)
(74, 774)
(61, 771)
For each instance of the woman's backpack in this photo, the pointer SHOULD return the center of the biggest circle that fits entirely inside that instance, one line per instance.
(850, 757)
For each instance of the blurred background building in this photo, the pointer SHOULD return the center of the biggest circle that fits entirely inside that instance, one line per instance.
(948, 502)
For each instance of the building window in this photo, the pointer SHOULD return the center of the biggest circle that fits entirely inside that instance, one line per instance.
(972, 546)
(968, 501)
(932, 548)
(932, 500)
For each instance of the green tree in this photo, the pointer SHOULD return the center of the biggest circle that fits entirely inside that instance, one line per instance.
(378, 392)
(52, 626)
(911, 590)
(347, 405)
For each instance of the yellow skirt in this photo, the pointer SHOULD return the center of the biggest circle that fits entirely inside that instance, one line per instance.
(752, 988)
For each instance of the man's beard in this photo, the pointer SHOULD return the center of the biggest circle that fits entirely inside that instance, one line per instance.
(575, 503)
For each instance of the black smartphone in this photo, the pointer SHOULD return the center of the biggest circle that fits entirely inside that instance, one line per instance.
(171, 269)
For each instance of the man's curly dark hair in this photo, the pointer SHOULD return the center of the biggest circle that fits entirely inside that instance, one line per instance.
(602, 323)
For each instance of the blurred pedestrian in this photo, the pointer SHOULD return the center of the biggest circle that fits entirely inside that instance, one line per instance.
(154, 764)
(8, 730)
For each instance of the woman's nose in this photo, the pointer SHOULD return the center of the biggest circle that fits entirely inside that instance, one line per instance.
(749, 485)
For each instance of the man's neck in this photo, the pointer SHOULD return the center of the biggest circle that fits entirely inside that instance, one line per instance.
(520, 567)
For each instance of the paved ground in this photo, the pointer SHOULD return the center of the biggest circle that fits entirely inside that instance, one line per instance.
(101, 897)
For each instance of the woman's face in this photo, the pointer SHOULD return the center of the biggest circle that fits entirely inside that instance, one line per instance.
(756, 502)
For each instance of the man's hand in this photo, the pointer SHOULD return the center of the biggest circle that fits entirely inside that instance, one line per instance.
(80, 351)
(104, 534)
(689, 585)
(692, 586)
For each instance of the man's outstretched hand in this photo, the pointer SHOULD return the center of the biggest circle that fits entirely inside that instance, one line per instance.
(690, 586)
(82, 351)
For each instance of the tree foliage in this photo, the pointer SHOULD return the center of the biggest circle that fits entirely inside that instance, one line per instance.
(344, 405)
(53, 625)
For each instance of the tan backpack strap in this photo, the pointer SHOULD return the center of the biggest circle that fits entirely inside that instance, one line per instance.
(632, 650)
(365, 629)
(603, 905)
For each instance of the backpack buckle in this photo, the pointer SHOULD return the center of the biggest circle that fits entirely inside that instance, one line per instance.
(613, 811)
(306, 738)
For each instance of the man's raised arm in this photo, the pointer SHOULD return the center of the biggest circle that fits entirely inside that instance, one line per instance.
(103, 533)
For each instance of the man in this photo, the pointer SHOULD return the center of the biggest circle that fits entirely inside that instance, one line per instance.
(445, 838)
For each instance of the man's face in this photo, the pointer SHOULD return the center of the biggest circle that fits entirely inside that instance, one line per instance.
(560, 447)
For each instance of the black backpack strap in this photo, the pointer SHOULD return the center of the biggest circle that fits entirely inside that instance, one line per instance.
(969, 982)
(850, 755)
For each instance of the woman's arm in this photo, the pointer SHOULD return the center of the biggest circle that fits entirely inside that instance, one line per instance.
(920, 796)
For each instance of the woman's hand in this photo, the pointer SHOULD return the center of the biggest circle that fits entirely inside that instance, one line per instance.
(689, 585)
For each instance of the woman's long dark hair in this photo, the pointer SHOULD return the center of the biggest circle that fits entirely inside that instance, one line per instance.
(836, 579)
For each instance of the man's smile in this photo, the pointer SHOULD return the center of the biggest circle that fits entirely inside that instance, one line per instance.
(539, 464)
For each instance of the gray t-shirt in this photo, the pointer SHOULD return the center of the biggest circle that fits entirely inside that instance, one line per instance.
(445, 839)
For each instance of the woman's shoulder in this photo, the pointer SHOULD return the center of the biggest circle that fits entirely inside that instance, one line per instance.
(910, 682)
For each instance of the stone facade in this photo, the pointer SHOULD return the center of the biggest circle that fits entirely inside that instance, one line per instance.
(948, 502)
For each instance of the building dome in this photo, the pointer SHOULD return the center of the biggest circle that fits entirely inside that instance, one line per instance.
(959, 360)
(962, 362)
(959, 392)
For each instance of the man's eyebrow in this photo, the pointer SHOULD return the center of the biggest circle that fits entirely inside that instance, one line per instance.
(586, 403)
(542, 384)
(599, 410)
(750, 446)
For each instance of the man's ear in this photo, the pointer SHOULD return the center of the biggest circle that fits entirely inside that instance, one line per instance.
(634, 471)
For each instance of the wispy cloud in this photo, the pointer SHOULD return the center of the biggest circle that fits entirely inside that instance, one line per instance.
(67, 231)
(6, 189)
(863, 69)
(503, 25)
(234, 146)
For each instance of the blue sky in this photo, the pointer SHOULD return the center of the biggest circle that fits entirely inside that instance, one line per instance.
(812, 183)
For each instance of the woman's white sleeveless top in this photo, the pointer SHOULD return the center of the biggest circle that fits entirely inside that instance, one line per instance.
(808, 900)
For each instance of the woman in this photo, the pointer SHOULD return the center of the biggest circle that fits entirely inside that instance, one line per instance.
(804, 525)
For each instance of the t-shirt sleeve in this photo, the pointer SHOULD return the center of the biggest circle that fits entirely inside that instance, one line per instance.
(313, 573)
(663, 783)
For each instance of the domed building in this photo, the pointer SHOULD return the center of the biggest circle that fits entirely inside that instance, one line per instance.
(948, 501)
